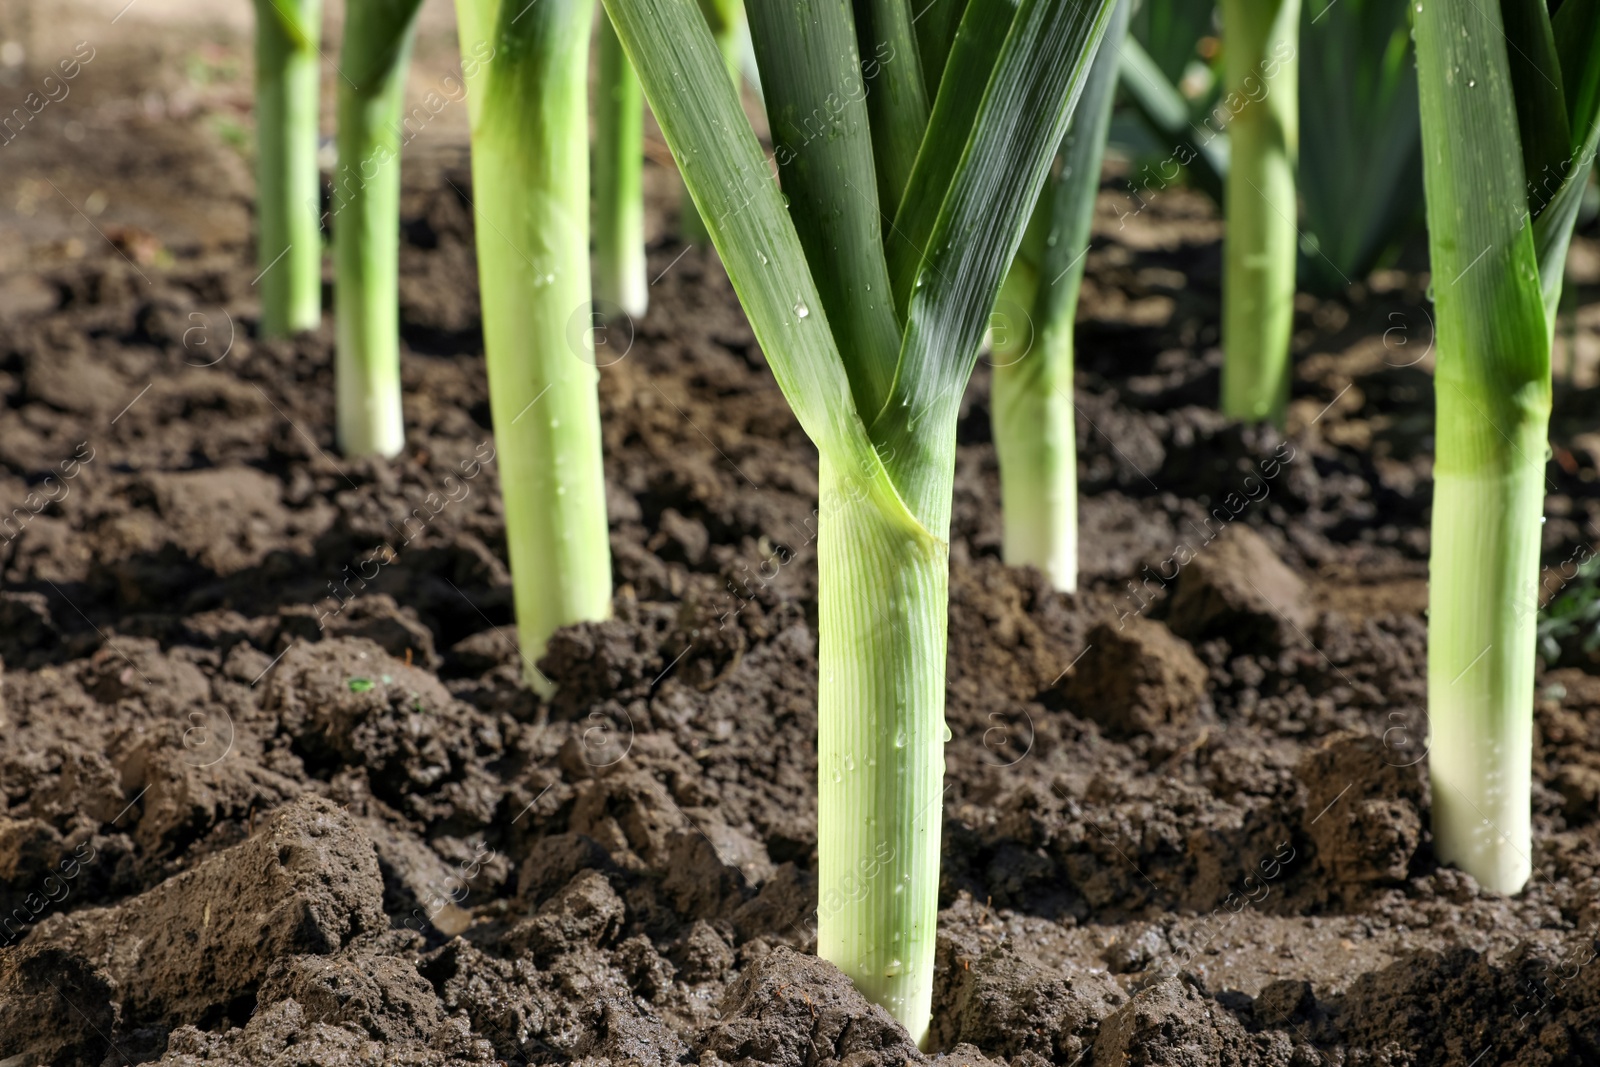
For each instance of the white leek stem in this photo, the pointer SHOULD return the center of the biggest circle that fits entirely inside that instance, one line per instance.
(882, 607)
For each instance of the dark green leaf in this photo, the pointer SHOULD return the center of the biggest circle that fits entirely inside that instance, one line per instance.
(1541, 103)
(1360, 173)
(897, 99)
(1040, 73)
(1577, 33)
(972, 60)
(815, 96)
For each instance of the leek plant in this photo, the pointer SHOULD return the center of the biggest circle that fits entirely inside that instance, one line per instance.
(378, 35)
(288, 185)
(1510, 102)
(872, 336)
(530, 178)
(1258, 250)
(620, 278)
(1034, 418)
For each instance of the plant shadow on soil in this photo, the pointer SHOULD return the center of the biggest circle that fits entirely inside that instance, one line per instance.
(272, 792)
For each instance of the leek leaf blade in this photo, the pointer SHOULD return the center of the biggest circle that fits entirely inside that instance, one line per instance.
(1037, 79)
(1492, 390)
(816, 107)
(1536, 84)
(897, 99)
(1577, 34)
(977, 45)
(685, 81)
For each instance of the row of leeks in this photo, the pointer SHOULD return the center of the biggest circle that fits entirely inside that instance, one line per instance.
(871, 339)
(528, 108)
(1506, 104)
(931, 163)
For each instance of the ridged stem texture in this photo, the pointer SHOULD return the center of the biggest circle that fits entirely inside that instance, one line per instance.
(530, 181)
(1261, 58)
(880, 744)
(366, 224)
(288, 185)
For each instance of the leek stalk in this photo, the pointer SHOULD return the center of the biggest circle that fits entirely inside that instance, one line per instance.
(872, 338)
(1034, 418)
(1258, 250)
(378, 36)
(1496, 257)
(288, 185)
(620, 278)
(530, 177)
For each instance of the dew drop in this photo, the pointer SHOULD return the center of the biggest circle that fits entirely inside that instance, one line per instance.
(894, 968)
(900, 739)
(801, 311)
(762, 257)
(837, 777)
(1472, 83)
(947, 733)
(849, 761)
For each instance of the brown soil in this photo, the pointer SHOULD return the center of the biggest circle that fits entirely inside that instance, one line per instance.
(270, 792)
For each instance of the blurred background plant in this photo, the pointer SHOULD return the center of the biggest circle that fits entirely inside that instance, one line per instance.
(1569, 625)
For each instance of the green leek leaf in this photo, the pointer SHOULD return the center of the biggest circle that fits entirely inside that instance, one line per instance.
(1541, 103)
(1020, 122)
(726, 173)
(972, 59)
(897, 98)
(821, 139)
